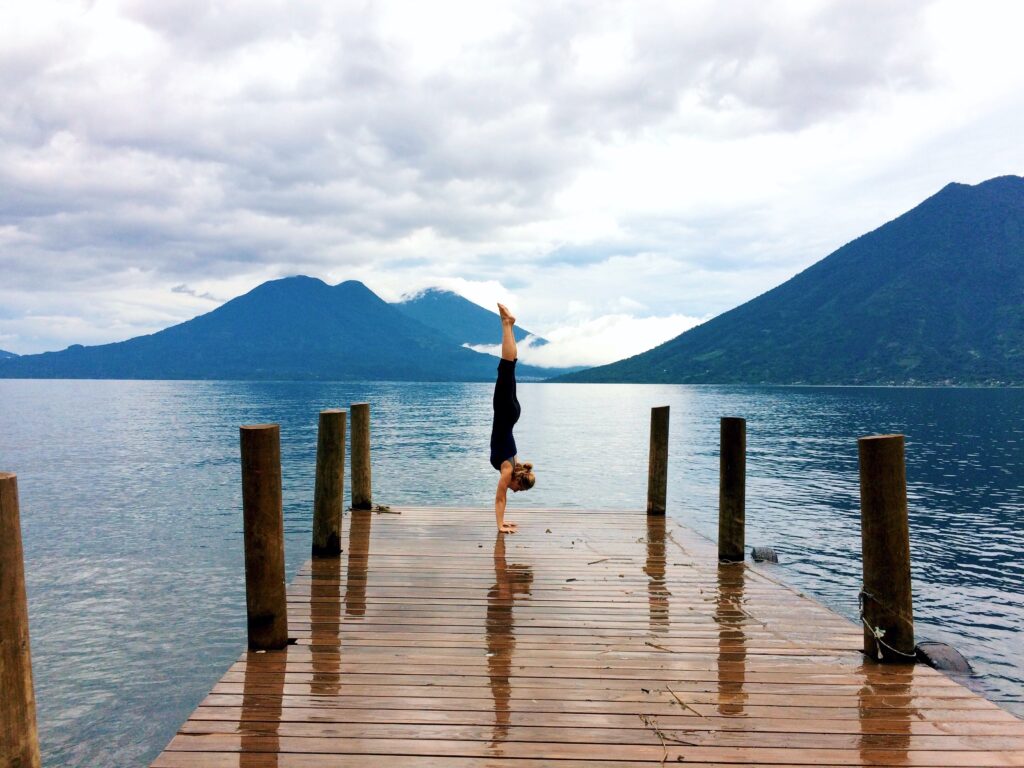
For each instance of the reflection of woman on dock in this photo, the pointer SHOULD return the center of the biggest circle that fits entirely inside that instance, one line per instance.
(514, 476)
(511, 581)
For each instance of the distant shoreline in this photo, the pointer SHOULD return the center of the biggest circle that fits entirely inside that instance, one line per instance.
(529, 380)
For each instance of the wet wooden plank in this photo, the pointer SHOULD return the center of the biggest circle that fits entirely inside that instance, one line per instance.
(658, 702)
(471, 713)
(693, 734)
(278, 760)
(589, 638)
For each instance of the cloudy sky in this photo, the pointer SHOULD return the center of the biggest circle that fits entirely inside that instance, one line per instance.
(616, 172)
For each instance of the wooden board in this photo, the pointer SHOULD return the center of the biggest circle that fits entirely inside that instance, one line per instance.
(589, 638)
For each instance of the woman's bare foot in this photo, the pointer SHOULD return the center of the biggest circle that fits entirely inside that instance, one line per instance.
(507, 527)
(506, 316)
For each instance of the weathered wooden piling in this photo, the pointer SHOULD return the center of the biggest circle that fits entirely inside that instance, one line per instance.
(362, 493)
(732, 489)
(329, 489)
(19, 739)
(886, 602)
(264, 537)
(657, 465)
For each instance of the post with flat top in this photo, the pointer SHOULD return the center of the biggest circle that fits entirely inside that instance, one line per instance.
(886, 602)
(732, 489)
(264, 537)
(657, 466)
(330, 484)
(362, 495)
(19, 739)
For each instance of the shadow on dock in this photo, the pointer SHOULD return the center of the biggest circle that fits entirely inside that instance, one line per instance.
(732, 640)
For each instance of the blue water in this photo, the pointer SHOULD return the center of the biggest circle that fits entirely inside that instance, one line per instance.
(131, 511)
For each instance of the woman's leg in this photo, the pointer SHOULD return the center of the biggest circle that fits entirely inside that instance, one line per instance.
(509, 351)
(505, 400)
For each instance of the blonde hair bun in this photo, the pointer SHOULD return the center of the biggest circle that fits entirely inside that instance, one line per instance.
(524, 474)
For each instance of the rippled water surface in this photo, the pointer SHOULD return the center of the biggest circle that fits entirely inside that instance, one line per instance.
(131, 511)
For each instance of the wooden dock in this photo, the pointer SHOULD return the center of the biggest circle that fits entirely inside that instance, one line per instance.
(589, 638)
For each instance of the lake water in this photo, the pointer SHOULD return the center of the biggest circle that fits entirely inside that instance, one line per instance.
(131, 511)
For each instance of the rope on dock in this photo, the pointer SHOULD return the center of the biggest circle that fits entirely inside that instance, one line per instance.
(877, 632)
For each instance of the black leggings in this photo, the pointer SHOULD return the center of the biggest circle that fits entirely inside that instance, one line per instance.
(506, 405)
(506, 414)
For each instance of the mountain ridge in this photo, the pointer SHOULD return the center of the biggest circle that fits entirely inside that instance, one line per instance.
(464, 321)
(294, 328)
(933, 296)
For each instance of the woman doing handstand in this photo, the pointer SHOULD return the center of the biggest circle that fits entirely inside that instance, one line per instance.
(514, 476)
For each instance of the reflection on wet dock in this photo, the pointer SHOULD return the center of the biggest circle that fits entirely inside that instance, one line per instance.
(587, 638)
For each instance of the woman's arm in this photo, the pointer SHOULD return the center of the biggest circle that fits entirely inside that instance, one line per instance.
(499, 502)
(500, 496)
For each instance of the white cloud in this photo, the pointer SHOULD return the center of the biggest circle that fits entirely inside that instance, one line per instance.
(599, 340)
(552, 156)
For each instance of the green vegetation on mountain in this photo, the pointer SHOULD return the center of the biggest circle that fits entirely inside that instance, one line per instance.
(458, 318)
(294, 328)
(935, 296)
(5, 355)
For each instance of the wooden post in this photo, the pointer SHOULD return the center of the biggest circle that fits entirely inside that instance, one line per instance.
(362, 495)
(886, 601)
(264, 537)
(19, 740)
(330, 484)
(732, 489)
(657, 462)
